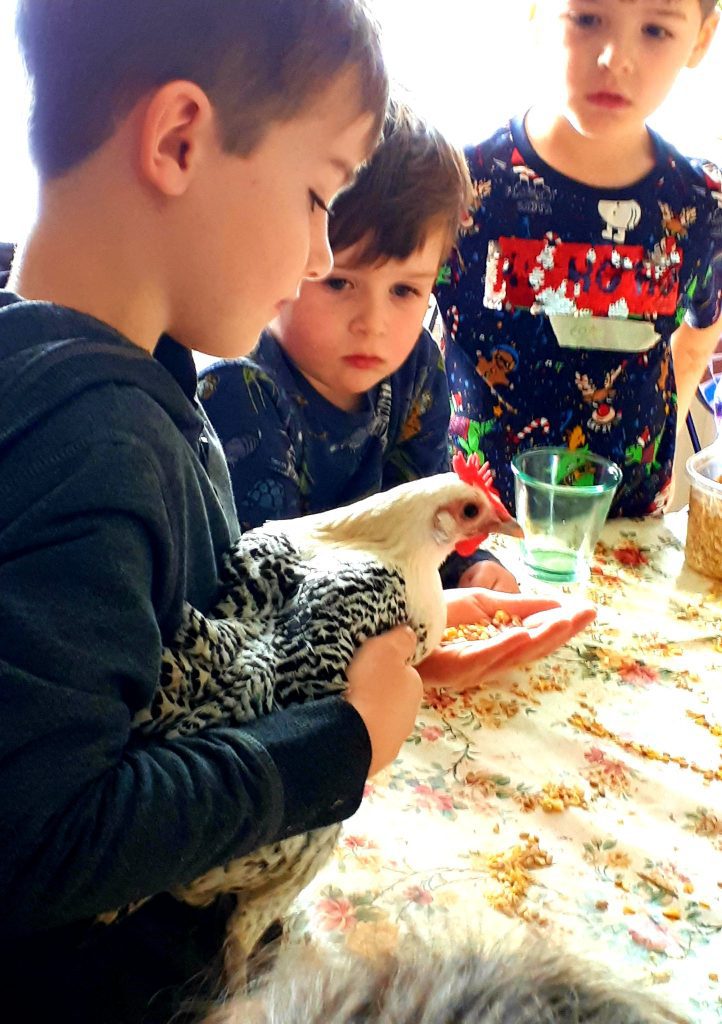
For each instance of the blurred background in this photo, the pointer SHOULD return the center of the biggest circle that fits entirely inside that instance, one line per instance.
(465, 64)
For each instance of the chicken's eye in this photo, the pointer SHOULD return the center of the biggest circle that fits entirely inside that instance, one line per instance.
(470, 511)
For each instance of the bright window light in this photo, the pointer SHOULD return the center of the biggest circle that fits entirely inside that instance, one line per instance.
(466, 64)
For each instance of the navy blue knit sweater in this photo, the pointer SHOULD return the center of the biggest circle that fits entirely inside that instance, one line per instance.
(115, 507)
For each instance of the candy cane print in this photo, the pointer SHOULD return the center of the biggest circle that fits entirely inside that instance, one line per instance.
(542, 422)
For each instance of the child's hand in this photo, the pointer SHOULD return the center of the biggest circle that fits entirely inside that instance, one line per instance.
(491, 576)
(546, 625)
(386, 691)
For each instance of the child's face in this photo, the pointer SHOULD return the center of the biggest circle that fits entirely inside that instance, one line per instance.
(612, 62)
(349, 331)
(258, 224)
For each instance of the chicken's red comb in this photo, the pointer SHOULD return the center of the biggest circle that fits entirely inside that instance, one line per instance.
(470, 471)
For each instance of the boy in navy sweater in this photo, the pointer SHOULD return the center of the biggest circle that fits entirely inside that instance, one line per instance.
(345, 394)
(187, 153)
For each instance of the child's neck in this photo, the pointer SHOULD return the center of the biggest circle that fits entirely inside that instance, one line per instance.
(81, 254)
(601, 162)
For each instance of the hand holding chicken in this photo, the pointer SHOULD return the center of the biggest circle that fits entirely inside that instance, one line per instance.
(386, 691)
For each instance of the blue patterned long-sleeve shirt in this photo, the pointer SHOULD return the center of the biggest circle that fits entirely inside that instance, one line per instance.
(560, 305)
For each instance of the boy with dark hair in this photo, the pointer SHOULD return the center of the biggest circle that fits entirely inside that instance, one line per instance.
(187, 153)
(584, 301)
(345, 394)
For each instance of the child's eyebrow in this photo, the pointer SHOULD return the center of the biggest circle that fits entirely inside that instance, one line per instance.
(669, 8)
(667, 11)
(419, 275)
(664, 8)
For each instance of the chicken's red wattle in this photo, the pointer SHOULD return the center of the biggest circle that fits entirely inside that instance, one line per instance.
(470, 544)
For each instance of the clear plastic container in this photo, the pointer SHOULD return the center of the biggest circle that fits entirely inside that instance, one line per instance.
(704, 528)
(562, 502)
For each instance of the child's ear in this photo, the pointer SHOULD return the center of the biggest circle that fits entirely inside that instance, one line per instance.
(177, 123)
(704, 39)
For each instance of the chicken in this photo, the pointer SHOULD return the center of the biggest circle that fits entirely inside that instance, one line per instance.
(298, 597)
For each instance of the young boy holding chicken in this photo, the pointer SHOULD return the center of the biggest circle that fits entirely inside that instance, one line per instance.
(186, 154)
(583, 303)
(345, 394)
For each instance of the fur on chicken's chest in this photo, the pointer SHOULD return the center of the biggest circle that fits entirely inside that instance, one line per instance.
(283, 631)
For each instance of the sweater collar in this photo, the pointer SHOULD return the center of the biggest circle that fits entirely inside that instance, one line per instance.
(59, 352)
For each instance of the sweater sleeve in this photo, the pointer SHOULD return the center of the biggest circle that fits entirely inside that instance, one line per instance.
(254, 425)
(92, 818)
(703, 301)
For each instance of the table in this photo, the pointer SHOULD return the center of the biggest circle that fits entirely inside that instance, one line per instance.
(580, 796)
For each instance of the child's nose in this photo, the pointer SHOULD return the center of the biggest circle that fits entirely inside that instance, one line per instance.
(320, 259)
(616, 56)
(369, 317)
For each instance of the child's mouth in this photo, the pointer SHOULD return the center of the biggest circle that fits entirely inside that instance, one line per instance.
(610, 100)
(360, 362)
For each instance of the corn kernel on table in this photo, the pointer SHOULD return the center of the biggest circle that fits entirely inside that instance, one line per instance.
(580, 797)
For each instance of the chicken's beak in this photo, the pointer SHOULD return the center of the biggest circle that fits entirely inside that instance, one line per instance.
(509, 527)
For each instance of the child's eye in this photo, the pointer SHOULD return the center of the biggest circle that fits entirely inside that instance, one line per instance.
(403, 291)
(581, 20)
(318, 203)
(336, 284)
(657, 32)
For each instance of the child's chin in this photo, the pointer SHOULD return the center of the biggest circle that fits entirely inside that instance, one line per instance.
(596, 121)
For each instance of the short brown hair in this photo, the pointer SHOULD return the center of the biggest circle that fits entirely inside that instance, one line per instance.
(708, 6)
(414, 180)
(90, 61)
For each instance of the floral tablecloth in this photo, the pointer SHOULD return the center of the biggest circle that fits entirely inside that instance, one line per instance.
(581, 796)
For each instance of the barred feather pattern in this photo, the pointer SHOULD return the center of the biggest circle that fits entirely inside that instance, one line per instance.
(283, 631)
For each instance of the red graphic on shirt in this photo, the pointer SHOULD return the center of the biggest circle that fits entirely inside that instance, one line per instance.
(712, 176)
(522, 171)
(552, 276)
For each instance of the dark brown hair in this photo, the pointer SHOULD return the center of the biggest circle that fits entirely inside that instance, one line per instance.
(90, 61)
(414, 181)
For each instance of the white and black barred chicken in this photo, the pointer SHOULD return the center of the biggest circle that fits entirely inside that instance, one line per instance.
(298, 597)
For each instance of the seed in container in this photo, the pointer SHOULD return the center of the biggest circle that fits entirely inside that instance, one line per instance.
(474, 631)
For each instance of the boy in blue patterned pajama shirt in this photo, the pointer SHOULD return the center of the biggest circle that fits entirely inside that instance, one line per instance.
(582, 305)
(343, 397)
